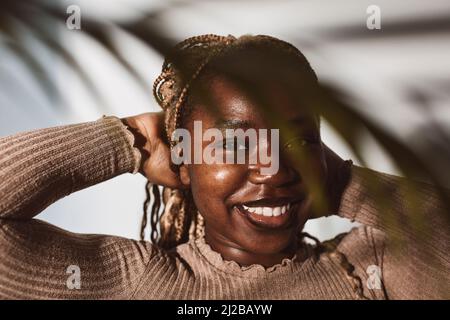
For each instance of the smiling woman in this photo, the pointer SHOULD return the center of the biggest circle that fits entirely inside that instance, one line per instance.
(227, 230)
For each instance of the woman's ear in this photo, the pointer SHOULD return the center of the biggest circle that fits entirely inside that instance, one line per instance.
(184, 175)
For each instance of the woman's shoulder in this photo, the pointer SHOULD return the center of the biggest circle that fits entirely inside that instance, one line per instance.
(360, 243)
(359, 254)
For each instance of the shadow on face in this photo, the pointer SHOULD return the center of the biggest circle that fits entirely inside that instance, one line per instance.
(242, 206)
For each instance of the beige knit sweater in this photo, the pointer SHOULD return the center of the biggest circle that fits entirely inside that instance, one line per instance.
(37, 168)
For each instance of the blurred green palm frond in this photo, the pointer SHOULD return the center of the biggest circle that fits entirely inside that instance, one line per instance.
(42, 19)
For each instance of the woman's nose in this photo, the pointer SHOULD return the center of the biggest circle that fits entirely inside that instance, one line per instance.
(284, 176)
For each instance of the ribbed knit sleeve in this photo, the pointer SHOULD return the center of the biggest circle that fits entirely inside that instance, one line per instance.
(38, 260)
(39, 167)
(407, 224)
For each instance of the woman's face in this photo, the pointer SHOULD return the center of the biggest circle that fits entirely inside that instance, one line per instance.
(242, 207)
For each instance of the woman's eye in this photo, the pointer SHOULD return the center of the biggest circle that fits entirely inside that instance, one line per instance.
(233, 145)
(298, 142)
(228, 145)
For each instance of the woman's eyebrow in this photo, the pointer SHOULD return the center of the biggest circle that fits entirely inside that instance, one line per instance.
(222, 124)
(304, 121)
(232, 124)
(298, 120)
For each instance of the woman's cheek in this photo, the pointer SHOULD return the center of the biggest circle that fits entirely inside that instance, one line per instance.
(213, 184)
(217, 179)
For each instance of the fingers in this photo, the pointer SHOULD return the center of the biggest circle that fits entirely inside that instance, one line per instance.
(158, 169)
(170, 180)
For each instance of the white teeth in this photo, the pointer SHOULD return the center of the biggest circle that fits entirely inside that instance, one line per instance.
(276, 211)
(268, 211)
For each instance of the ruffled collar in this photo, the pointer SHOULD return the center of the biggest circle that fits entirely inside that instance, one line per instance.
(254, 270)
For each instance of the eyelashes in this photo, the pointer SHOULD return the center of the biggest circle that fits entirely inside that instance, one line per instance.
(233, 145)
(300, 141)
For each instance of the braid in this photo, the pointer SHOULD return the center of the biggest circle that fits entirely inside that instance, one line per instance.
(154, 215)
(171, 87)
(154, 218)
(180, 219)
(145, 216)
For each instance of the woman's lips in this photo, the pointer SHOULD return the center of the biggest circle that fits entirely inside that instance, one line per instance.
(268, 217)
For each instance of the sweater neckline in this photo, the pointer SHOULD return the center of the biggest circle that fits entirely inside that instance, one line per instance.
(230, 266)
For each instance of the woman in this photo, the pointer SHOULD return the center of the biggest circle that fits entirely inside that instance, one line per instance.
(227, 231)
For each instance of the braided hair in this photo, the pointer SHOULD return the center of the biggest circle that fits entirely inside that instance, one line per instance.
(179, 219)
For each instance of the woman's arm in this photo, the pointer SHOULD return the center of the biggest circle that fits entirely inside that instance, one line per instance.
(41, 261)
(38, 260)
(414, 225)
(39, 167)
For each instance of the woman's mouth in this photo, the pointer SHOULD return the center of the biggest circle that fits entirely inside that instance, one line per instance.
(271, 217)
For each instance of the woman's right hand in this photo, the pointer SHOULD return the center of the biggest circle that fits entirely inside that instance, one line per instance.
(149, 132)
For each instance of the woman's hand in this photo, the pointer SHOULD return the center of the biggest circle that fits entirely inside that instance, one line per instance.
(148, 129)
(338, 178)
